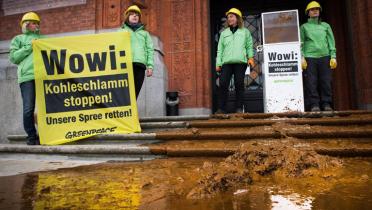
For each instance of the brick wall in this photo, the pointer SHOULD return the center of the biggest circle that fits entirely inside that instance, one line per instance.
(76, 16)
(11, 7)
(56, 20)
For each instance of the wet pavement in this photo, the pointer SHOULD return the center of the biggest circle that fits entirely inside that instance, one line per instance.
(165, 183)
(282, 170)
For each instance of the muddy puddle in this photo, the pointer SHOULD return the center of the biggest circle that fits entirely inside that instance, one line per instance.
(269, 173)
(172, 184)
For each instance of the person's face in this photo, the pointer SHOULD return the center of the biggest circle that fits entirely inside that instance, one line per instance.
(314, 12)
(232, 20)
(133, 18)
(32, 26)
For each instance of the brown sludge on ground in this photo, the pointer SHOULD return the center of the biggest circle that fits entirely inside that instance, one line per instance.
(254, 160)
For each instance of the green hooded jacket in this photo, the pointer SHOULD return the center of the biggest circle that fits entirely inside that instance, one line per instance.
(142, 46)
(234, 47)
(317, 39)
(21, 55)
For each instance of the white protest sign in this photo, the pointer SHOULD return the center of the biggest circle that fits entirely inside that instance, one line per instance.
(283, 90)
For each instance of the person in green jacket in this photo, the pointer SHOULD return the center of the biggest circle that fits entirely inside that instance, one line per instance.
(234, 52)
(318, 58)
(21, 55)
(141, 44)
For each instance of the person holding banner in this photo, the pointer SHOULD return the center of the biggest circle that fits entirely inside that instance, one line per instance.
(141, 44)
(234, 52)
(21, 55)
(319, 57)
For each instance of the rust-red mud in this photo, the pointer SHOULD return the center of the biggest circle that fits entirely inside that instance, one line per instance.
(165, 183)
(269, 164)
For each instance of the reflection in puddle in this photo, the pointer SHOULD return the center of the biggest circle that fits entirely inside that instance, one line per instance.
(90, 192)
(164, 184)
(293, 201)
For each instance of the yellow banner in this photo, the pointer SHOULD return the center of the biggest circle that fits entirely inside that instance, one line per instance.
(84, 87)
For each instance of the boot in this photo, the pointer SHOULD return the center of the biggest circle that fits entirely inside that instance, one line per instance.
(239, 111)
(220, 111)
(327, 108)
(33, 140)
(315, 109)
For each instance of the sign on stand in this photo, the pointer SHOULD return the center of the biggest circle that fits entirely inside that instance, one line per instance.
(283, 90)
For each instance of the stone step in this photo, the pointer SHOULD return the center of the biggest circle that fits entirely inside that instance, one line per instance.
(292, 114)
(264, 134)
(186, 118)
(174, 118)
(144, 152)
(134, 138)
(147, 129)
(226, 135)
(76, 149)
(151, 127)
(93, 153)
(269, 122)
(224, 152)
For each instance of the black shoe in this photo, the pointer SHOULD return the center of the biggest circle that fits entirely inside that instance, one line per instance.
(239, 111)
(33, 141)
(327, 108)
(220, 111)
(315, 109)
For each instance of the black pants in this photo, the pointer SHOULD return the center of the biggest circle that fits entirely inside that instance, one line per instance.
(139, 70)
(318, 82)
(238, 70)
(28, 98)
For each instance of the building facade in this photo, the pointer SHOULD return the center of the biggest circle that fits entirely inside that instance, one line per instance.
(187, 29)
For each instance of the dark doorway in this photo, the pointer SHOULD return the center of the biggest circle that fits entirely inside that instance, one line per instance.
(253, 100)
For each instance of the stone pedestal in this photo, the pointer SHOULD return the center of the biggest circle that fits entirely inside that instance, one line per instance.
(151, 101)
(10, 96)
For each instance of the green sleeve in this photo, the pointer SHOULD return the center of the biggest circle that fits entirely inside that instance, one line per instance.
(18, 52)
(220, 49)
(249, 44)
(331, 42)
(149, 51)
(302, 37)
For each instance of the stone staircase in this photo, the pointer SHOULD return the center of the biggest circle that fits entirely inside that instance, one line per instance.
(340, 133)
(124, 147)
